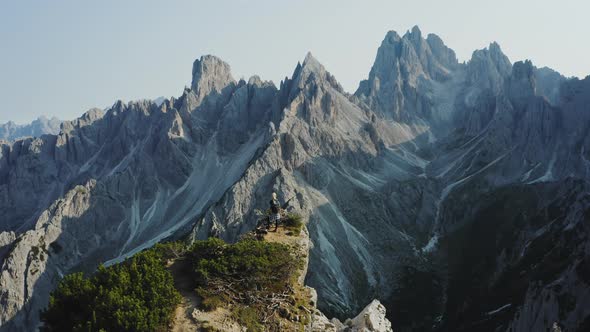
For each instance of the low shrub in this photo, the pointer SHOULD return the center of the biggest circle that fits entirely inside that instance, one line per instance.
(248, 317)
(136, 295)
(293, 223)
(250, 273)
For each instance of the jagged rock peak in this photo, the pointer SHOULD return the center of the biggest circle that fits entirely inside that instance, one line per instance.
(494, 54)
(414, 54)
(494, 47)
(312, 63)
(391, 37)
(311, 70)
(522, 80)
(522, 70)
(488, 68)
(548, 84)
(400, 64)
(210, 73)
(92, 114)
(441, 51)
(88, 118)
(433, 45)
(255, 80)
(415, 35)
(497, 55)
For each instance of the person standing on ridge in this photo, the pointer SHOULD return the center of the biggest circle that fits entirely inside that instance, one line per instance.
(275, 211)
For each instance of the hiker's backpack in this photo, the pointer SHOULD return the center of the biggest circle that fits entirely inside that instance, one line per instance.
(274, 206)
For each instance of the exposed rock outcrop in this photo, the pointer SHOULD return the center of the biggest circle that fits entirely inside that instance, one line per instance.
(151, 162)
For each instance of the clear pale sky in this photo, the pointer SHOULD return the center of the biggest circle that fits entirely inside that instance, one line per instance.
(60, 58)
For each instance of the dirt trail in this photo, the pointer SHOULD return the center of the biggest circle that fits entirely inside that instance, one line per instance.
(183, 321)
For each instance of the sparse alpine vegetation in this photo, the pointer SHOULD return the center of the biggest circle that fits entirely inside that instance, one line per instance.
(136, 295)
(256, 280)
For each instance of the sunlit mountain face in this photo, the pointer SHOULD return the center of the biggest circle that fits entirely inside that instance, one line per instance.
(455, 193)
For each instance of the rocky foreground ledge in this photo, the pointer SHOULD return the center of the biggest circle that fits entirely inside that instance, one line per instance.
(372, 318)
(189, 316)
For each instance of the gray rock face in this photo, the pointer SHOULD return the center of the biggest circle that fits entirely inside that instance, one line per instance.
(211, 76)
(153, 169)
(371, 319)
(453, 193)
(10, 131)
(488, 68)
(549, 84)
(403, 69)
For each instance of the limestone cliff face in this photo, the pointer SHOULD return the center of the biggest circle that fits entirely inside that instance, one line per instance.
(321, 137)
(391, 179)
(149, 166)
(403, 71)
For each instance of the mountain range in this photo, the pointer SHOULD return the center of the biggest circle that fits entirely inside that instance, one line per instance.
(455, 193)
(11, 131)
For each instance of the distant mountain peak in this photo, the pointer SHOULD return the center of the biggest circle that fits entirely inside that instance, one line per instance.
(522, 83)
(522, 69)
(42, 125)
(391, 37)
(494, 46)
(210, 73)
(309, 57)
(311, 64)
(493, 51)
(415, 34)
(400, 64)
(488, 67)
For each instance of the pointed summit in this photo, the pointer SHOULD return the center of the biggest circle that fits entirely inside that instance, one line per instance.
(310, 73)
(312, 63)
(442, 52)
(399, 66)
(414, 36)
(309, 57)
(496, 52)
(493, 51)
(521, 83)
(210, 74)
(303, 70)
(416, 33)
(488, 68)
(391, 37)
(494, 47)
(309, 66)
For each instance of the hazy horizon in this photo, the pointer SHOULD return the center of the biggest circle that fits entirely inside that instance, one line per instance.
(66, 57)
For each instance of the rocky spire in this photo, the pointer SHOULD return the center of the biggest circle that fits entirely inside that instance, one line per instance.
(441, 52)
(400, 63)
(488, 68)
(311, 71)
(310, 66)
(210, 74)
(415, 36)
(521, 84)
